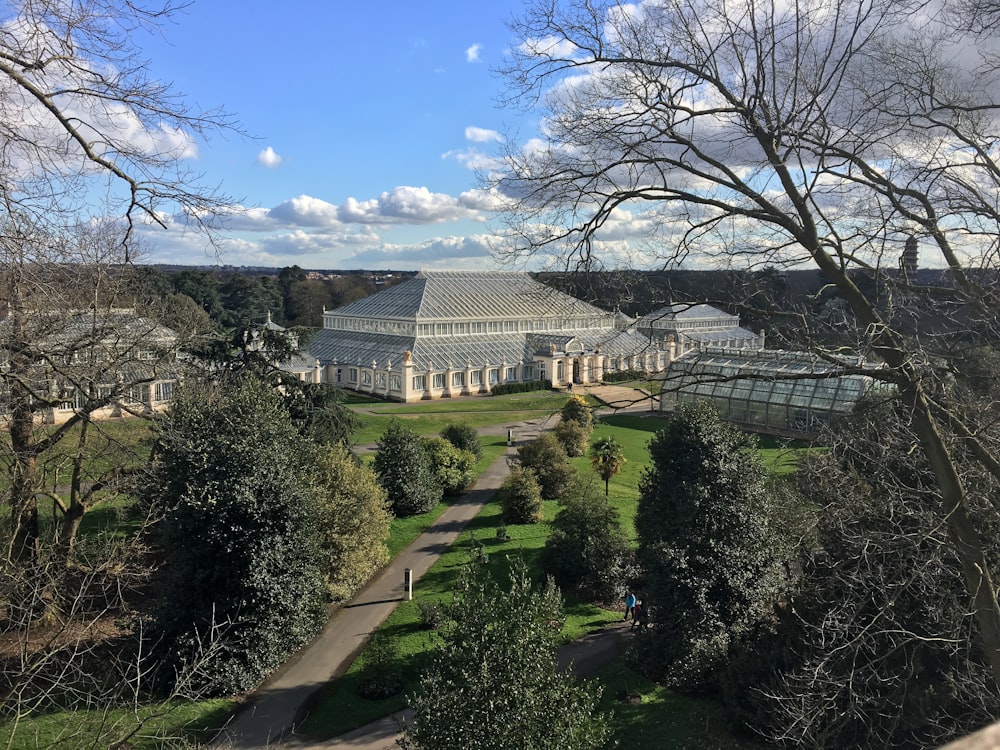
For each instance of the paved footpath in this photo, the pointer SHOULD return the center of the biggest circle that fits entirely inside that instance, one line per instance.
(270, 715)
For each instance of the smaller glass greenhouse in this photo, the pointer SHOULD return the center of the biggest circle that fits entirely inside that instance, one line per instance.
(787, 393)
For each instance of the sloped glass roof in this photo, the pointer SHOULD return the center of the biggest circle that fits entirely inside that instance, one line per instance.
(684, 311)
(789, 391)
(469, 295)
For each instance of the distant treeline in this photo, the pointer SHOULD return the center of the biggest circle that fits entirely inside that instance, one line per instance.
(293, 297)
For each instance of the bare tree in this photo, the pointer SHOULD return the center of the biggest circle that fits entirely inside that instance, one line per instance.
(91, 147)
(760, 133)
(70, 354)
(84, 123)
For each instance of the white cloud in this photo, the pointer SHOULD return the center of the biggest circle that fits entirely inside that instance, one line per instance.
(268, 158)
(407, 205)
(472, 53)
(305, 211)
(481, 135)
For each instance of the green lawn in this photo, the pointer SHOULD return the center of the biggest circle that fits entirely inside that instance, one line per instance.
(144, 727)
(662, 719)
(429, 418)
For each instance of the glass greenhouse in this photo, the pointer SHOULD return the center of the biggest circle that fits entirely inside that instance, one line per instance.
(788, 393)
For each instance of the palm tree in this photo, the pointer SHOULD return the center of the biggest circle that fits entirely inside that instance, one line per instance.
(607, 457)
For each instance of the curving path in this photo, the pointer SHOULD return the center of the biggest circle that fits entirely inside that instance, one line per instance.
(269, 718)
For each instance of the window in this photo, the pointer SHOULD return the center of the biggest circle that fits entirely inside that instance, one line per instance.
(511, 375)
(366, 377)
(380, 380)
(476, 377)
(439, 380)
(442, 329)
(528, 372)
(495, 326)
(353, 375)
(458, 378)
(420, 382)
(138, 394)
(460, 328)
(395, 383)
(162, 391)
(494, 376)
(478, 327)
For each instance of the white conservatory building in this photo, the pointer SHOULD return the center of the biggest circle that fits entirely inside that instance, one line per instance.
(455, 333)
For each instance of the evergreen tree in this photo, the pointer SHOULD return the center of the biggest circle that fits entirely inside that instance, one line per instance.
(520, 497)
(587, 551)
(242, 577)
(405, 471)
(706, 545)
(495, 684)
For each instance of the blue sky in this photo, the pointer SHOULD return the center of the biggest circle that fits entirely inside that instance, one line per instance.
(365, 123)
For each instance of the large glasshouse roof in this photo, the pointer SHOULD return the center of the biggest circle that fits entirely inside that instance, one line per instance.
(468, 295)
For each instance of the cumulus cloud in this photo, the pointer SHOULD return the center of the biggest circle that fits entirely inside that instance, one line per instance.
(481, 135)
(305, 211)
(472, 53)
(268, 158)
(407, 205)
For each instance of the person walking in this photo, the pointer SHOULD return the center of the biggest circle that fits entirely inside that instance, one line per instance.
(629, 605)
(637, 614)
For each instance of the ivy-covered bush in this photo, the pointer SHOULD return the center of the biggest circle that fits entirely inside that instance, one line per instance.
(242, 580)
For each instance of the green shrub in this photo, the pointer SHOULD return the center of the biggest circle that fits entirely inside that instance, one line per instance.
(547, 459)
(354, 521)
(431, 614)
(501, 389)
(576, 409)
(464, 437)
(454, 468)
(520, 497)
(380, 673)
(574, 437)
(406, 472)
(587, 551)
(618, 377)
